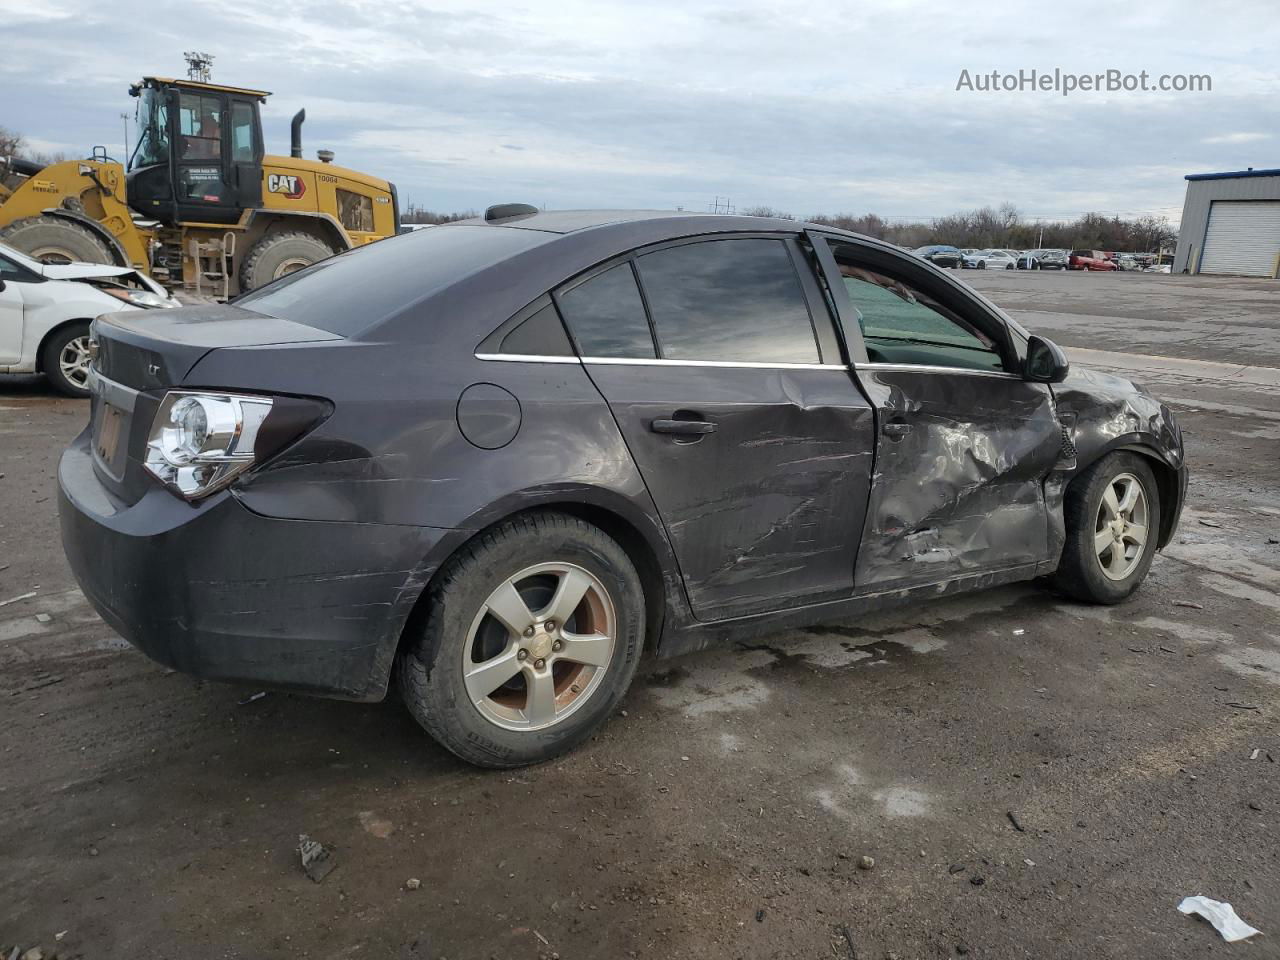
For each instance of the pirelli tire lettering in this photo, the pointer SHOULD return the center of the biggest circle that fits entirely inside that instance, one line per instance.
(293, 187)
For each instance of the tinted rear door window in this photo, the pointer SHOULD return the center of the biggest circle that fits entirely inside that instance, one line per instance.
(607, 315)
(728, 300)
(357, 289)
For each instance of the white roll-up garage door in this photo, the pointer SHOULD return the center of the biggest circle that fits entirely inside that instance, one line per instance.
(1243, 238)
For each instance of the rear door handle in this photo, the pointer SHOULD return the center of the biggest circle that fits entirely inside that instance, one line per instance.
(896, 430)
(683, 428)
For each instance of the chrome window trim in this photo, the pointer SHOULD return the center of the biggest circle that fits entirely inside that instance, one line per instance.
(933, 368)
(526, 358)
(743, 364)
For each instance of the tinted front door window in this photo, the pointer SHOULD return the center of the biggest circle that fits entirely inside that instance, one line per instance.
(900, 324)
(728, 300)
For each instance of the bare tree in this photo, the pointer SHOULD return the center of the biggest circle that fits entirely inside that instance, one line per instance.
(10, 143)
(765, 212)
(416, 214)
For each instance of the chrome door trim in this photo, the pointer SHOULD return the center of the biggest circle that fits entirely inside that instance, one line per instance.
(743, 364)
(929, 368)
(526, 358)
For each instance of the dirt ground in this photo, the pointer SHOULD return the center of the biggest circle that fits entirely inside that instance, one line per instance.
(1033, 778)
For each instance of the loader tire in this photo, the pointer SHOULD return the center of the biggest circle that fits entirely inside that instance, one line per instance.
(280, 254)
(53, 240)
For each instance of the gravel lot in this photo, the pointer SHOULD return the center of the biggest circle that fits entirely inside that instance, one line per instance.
(1033, 778)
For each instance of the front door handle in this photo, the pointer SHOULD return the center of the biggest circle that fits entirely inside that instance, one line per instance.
(683, 428)
(896, 431)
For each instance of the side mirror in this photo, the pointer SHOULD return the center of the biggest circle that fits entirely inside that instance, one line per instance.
(1046, 363)
(1, 286)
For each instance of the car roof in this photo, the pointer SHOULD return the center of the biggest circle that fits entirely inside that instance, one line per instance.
(577, 240)
(572, 221)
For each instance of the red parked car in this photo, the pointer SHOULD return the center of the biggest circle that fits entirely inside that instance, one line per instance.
(1091, 260)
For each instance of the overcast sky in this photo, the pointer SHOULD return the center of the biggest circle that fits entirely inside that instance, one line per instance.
(827, 107)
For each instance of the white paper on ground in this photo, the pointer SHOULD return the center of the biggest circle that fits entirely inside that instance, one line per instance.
(1221, 915)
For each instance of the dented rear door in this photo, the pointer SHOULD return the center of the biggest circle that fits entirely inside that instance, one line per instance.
(753, 440)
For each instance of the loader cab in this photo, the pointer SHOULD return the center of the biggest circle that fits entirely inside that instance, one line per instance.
(199, 152)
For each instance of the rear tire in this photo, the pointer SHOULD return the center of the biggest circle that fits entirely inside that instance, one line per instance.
(279, 255)
(472, 680)
(54, 240)
(1100, 562)
(64, 358)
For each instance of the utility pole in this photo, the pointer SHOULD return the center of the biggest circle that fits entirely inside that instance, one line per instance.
(125, 118)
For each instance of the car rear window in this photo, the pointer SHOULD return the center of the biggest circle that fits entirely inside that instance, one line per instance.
(365, 286)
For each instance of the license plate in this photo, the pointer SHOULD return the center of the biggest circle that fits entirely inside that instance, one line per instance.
(108, 439)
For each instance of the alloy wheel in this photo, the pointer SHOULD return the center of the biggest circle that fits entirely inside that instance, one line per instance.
(1120, 530)
(73, 361)
(539, 647)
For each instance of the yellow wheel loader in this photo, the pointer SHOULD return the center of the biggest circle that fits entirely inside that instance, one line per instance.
(202, 205)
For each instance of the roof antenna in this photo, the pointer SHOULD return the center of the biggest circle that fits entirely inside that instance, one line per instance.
(199, 66)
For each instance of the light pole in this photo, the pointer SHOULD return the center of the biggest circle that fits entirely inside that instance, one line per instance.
(125, 118)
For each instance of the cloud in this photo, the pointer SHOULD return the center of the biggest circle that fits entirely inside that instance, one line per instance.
(1237, 138)
(846, 107)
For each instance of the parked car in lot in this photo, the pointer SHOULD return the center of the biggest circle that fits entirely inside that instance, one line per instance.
(940, 255)
(45, 311)
(1043, 260)
(1090, 260)
(496, 460)
(989, 260)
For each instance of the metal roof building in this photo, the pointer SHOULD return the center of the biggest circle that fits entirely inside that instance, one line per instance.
(1231, 224)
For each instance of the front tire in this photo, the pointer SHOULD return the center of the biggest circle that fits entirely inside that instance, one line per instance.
(533, 635)
(1112, 514)
(279, 255)
(64, 358)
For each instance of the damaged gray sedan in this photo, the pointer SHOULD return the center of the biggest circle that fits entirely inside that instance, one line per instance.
(496, 460)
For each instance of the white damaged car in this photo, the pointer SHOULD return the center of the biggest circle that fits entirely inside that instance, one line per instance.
(46, 309)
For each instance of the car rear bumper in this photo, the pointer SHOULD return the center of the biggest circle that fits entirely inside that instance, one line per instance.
(218, 591)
